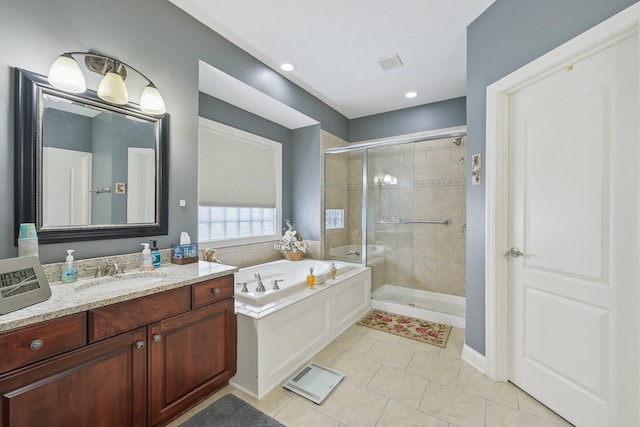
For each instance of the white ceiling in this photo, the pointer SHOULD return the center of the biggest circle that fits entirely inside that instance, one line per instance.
(336, 46)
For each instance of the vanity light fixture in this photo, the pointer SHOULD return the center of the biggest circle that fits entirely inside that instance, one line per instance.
(66, 74)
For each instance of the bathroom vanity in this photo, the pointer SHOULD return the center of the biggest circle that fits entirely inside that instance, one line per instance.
(140, 361)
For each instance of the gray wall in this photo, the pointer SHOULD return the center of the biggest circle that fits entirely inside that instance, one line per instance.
(60, 128)
(230, 115)
(304, 169)
(439, 115)
(510, 34)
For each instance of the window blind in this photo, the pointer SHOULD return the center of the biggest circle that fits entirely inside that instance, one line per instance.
(236, 168)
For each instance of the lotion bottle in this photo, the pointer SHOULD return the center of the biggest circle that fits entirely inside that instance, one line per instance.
(333, 270)
(155, 254)
(69, 269)
(311, 279)
(145, 259)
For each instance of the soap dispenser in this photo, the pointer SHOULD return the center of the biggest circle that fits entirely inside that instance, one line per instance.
(145, 260)
(311, 279)
(69, 270)
(155, 254)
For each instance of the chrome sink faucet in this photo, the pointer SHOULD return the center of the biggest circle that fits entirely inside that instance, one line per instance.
(109, 269)
(260, 287)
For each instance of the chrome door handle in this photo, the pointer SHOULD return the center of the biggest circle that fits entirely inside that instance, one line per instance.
(514, 252)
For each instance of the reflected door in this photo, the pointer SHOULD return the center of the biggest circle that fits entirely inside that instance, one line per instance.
(66, 181)
(141, 174)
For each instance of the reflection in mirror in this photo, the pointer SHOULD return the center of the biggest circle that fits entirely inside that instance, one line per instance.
(85, 169)
(98, 166)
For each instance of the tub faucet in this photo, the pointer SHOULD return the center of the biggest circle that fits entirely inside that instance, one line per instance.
(275, 284)
(260, 287)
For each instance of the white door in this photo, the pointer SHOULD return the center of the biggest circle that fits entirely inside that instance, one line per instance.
(573, 194)
(66, 181)
(141, 185)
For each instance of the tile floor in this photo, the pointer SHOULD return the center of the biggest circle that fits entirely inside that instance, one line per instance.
(397, 382)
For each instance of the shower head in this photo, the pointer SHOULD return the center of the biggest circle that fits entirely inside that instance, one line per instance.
(457, 140)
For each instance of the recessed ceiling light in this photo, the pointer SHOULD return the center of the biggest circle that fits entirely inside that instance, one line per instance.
(288, 66)
(410, 94)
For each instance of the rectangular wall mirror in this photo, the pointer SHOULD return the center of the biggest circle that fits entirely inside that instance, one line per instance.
(86, 169)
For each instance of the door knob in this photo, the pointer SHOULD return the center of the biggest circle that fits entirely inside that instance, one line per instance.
(514, 252)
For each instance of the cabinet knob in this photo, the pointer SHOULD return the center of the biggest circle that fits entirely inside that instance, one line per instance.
(215, 291)
(36, 345)
(157, 338)
(140, 345)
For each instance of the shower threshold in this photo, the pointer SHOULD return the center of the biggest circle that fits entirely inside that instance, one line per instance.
(433, 306)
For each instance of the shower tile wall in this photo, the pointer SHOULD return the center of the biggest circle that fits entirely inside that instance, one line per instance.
(440, 193)
(435, 258)
(431, 186)
(336, 189)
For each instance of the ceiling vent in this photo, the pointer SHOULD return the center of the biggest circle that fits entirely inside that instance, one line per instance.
(390, 62)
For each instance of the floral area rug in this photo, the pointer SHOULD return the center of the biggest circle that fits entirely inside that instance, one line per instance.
(417, 329)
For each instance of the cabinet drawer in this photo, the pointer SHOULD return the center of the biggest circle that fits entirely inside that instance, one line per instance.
(40, 341)
(212, 291)
(107, 321)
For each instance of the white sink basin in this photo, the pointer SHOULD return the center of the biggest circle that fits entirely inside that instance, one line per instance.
(109, 284)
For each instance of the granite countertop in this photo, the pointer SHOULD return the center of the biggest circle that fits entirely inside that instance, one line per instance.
(76, 297)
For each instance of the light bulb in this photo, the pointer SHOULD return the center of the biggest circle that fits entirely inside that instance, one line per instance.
(65, 74)
(112, 89)
(151, 101)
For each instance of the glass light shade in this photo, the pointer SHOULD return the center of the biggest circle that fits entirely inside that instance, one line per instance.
(65, 74)
(151, 101)
(112, 89)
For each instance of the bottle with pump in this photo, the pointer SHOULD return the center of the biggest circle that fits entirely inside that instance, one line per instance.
(311, 279)
(69, 269)
(145, 259)
(155, 254)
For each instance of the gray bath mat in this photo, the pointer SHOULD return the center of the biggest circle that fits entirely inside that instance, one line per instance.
(230, 411)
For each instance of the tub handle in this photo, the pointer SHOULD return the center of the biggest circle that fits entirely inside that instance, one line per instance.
(275, 284)
(244, 286)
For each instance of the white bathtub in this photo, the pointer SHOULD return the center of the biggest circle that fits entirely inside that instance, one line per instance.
(292, 273)
(278, 338)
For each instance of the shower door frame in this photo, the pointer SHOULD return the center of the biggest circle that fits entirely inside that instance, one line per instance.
(451, 132)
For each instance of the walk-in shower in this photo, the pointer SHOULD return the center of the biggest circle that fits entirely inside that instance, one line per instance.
(398, 206)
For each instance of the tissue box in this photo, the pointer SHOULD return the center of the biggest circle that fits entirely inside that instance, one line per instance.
(184, 254)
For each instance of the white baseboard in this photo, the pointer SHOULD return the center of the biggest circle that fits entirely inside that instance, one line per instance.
(473, 358)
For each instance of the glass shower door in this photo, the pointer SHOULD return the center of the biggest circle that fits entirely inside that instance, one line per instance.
(390, 214)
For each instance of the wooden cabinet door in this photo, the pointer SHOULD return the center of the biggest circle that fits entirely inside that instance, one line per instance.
(101, 385)
(190, 356)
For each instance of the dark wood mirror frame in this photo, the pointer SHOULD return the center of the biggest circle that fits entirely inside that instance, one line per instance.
(28, 92)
